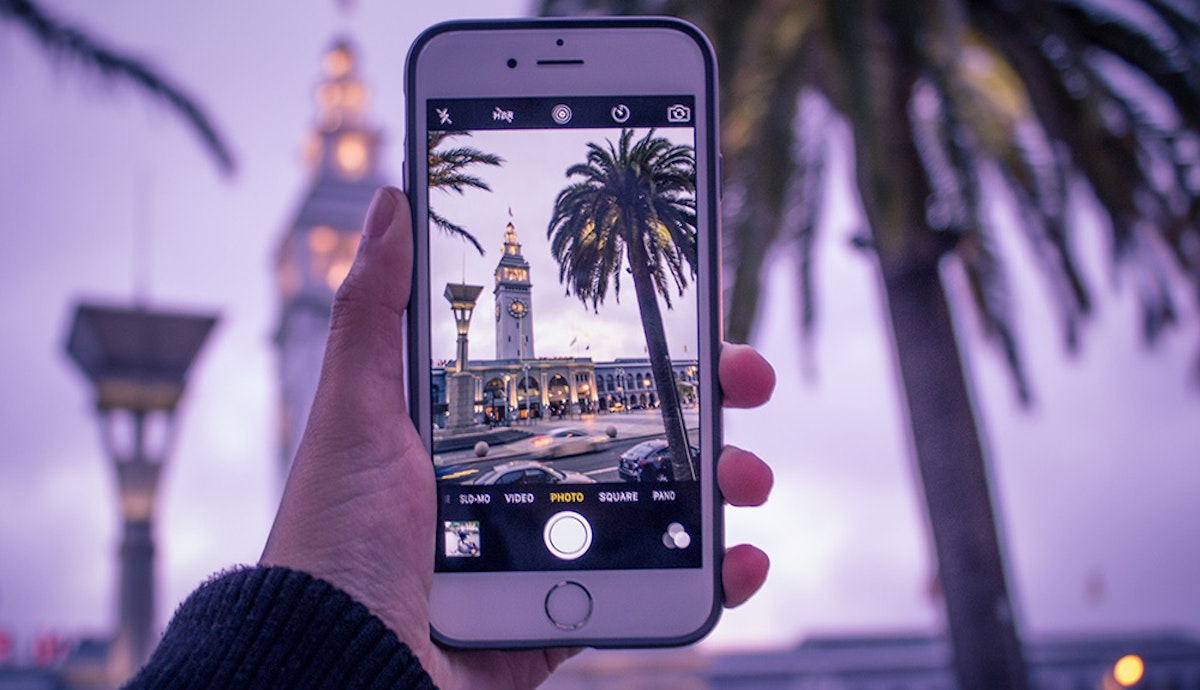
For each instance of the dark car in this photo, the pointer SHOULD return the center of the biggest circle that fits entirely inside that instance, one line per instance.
(648, 461)
(530, 472)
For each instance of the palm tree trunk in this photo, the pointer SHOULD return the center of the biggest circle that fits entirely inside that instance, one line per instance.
(952, 467)
(660, 364)
(879, 55)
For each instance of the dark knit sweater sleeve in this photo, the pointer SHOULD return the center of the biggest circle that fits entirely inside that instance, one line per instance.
(278, 628)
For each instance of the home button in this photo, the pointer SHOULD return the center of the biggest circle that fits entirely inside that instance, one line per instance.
(568, 605)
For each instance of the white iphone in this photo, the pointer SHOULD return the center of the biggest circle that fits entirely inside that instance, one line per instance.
(565, 327)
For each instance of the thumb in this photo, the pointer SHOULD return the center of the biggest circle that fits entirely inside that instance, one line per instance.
(381, 275)
(365, 346)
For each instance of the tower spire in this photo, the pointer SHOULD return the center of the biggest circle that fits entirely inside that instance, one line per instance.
(514, 300)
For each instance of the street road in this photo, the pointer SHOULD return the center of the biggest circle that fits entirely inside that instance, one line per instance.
(600, 465)
(631, 428)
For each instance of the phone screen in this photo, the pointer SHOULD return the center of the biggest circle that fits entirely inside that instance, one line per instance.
(564, 334)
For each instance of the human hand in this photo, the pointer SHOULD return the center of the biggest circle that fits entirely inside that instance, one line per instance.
(359, 508)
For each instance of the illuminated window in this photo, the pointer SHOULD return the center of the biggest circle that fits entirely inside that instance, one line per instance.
(351, 154)
(289, 279)
(515, 274)
(339, 265)
(339, 61)
(332, 253)
(322, 240)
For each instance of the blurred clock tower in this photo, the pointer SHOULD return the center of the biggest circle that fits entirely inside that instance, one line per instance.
(319, 244)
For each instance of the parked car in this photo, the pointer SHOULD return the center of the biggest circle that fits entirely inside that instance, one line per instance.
(563, 442)
(648, 461)
(530, 472)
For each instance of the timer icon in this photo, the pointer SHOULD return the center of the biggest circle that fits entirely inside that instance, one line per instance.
(620, 113)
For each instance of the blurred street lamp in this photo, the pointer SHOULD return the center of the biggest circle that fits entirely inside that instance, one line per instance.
(1128, 670)
(137, 362)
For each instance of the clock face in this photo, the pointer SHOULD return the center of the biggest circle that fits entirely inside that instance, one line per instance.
(518, 309)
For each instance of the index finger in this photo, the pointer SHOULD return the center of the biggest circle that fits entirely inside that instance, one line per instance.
(747, 378)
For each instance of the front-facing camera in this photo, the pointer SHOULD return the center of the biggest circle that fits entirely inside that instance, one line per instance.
(512, 63)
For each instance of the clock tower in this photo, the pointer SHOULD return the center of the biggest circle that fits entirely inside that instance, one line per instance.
(319, 243)
(514, 301)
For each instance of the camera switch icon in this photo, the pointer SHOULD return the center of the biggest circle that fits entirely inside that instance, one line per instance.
(679, 113)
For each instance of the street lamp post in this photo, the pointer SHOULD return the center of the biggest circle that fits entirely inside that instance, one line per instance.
(137, 362)
(621, 389)
(525, 385)
(461, 384)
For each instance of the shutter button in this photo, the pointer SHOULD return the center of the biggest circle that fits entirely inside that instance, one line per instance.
(568, 535)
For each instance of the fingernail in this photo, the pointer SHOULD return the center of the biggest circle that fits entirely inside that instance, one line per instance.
(379, 216)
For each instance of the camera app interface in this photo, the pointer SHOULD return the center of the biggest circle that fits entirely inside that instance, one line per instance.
(564, 344)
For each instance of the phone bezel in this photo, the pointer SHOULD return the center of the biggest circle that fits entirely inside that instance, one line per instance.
(692, 594)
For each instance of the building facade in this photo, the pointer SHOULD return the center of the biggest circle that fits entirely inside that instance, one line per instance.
(518, 385)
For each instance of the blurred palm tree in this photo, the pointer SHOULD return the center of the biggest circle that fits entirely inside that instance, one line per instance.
(69, 43)
(948, 103)
(633, 204)
(448, 172)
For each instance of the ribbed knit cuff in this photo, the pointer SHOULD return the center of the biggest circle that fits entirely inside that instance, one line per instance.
(278, 628)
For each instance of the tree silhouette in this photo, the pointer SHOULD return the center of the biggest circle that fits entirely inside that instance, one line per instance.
(69, 43)
(634, 205)
(938, 96)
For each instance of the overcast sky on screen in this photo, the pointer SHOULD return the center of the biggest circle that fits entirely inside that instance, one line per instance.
(1096, 485)
(527, 183)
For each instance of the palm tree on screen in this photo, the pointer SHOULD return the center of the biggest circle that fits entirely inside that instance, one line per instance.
(633, 205)
(946, 103)
(70, 43)
(448, 171)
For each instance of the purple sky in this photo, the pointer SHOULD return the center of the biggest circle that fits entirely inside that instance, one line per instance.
(1097, 485)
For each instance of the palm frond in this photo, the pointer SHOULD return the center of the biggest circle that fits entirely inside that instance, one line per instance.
(1069, 97)
(70, 44)
(948, 122)
(448, 172)
(760, 102)
(1154, 44)
(455, 230)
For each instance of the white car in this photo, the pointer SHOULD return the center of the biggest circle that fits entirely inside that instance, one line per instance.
(563, 442)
